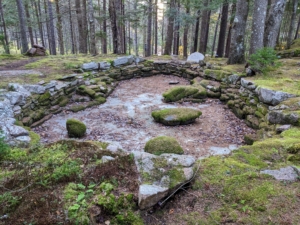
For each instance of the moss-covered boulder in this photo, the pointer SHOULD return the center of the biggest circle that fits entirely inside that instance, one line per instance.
(181, 92)
(83, 90)
(176, 116)
(218, 75)
(75, 128)
(163, 144)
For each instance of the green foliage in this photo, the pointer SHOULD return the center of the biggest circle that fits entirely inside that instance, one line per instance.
(75, 128)
(263, 59)
(8, 202)
(4, 148)
(163, 144)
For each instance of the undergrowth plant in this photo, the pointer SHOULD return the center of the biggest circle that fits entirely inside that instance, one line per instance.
(264, 60)
(4, 148)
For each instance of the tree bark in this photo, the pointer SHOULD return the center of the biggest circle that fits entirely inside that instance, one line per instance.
(204, 28)
(273, 23)
(30, 32)
(223, 27)
(113, 10)
(215, 36)
(51, 29)
(6, 47)
(292, 24)
(93, 49)
(170, 29)
(38, 14)
(296, 35)
(149, 29)
(228, 42)
(196, 32)
(59, 29)
(136, 31)
(258, 25)
(104, 27)
(176, 31)
(155, 29)
(84, 27)
(80, 26)
(237, 48)
(22, 23)
(186, 31)
(71, 29)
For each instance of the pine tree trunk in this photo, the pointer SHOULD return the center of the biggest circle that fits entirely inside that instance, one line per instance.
(215, 36)
(196, 32)
(71, 29)
(104, 27)
(170, 29)
(22, 23)
(51, 29)
(30, 32)
(59, 29)
(93, 48)
(273, 23)
(6, 47)
(155, 29)
(113, 10)
(38, 13)
(228, 42)
(296, 35)
(149, 29)
(80, 26)
(84, 27)
(185, 32)
(292, 24)
(204, 28)
(237, 48)
(223, 27)
(136, 31)
(258, 25)
(176, 31)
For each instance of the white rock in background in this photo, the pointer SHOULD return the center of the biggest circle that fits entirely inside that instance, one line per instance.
(123, 60)
(90, 66)
(195, 57)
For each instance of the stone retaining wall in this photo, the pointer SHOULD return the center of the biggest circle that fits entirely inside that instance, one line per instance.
(34, 104)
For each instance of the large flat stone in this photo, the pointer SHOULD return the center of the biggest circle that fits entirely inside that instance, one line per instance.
(195, 57)
(272, 97)
(287, 173)
(149, 195)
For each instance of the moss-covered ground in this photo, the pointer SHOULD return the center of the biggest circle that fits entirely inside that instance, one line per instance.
(67, 183)
(230, 189)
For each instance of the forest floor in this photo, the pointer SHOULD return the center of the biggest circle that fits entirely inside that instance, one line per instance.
(38, 184)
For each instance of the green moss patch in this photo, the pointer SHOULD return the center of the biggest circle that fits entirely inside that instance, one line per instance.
(75, 128)
(180, 92)
(176, 116)
(163, 144)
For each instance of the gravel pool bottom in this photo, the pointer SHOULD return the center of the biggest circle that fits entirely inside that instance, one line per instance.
(125, 120)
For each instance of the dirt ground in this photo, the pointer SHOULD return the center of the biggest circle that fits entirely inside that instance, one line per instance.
(125, 120)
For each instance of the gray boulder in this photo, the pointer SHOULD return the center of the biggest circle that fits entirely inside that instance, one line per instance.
(124, 60)
(283, 117)
(248, 84)
(280, 129)
(35, 89)
(6, 109)
(161, 175)
(272, 97)
(195, 57)
(90, 66)
(287, 174)
(17, 98)
(104, 66)
(150, 195)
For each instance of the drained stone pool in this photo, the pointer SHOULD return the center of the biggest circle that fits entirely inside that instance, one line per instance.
(125, 120)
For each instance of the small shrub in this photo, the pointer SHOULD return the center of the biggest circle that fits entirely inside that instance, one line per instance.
(4, 148)
(263, 59)
(163, 144)
(75, 128)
